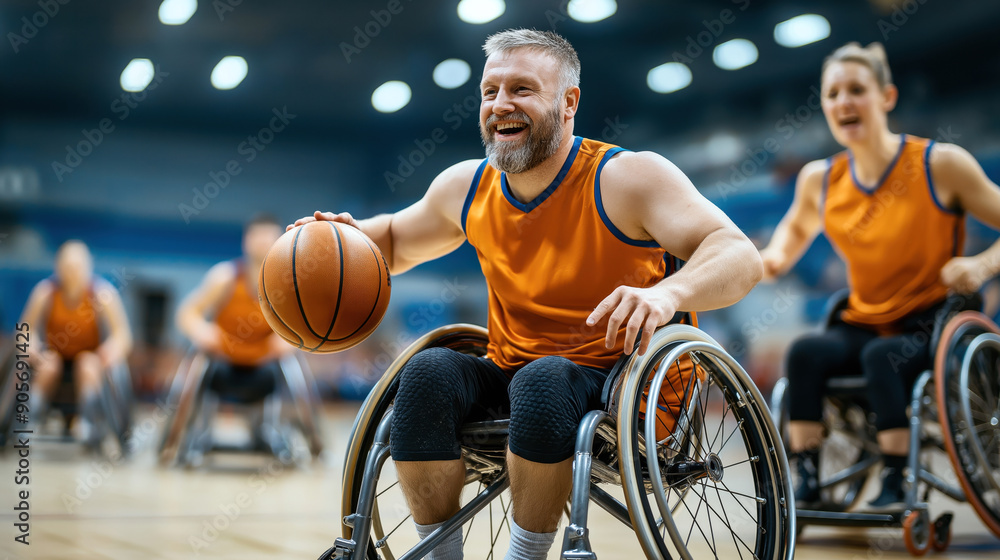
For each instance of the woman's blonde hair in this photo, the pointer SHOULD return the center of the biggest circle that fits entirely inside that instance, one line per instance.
(873, 56)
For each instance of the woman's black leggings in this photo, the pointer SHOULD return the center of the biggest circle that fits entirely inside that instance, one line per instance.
(890, 364)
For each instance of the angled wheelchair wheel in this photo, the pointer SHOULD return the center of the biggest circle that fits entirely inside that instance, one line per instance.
(8, 393)
(483, 448)
(706, 475)
(966, 366)
(186, 391)
(305, 402)
(967, 380)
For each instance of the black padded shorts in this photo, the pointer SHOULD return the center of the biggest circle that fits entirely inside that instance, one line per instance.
(441, 389)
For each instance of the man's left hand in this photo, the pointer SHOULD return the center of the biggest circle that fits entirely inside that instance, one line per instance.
(645, 309)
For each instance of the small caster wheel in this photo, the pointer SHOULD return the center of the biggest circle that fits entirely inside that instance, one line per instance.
(918, 532)
(942, 532)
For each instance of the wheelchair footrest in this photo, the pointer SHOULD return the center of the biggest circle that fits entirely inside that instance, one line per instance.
(576, 544)
(848, 519)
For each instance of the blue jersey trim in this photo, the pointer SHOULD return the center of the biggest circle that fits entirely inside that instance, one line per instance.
(885, 174)
(600, 204)
(548, 190)
(930, 181)
(472, 194)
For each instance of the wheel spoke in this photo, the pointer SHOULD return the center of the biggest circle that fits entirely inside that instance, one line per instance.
(390, 487)
(382, 541)
(731, 531)
(694, 522)
(722, 422)
(726, 522)
(754, 498)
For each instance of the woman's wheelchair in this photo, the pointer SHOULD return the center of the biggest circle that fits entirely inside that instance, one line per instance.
(714, 484)
(115, 410)
(285, 423)
(954, 411)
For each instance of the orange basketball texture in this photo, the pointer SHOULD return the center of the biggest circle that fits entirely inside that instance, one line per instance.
(324, 286)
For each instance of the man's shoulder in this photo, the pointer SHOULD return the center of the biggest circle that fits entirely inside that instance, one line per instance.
(639, 171)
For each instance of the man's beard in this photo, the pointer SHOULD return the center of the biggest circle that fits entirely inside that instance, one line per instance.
(543, 140)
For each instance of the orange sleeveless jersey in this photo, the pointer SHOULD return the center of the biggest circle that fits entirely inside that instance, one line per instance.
(244, 329)
(548, 263)
(895, 236)
(71, 330)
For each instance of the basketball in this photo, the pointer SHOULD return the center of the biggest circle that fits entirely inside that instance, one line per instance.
(324, 286)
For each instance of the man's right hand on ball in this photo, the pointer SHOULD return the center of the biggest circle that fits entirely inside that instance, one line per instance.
(343, 217)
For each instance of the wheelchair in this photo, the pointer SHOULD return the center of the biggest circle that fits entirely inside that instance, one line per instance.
(286, 423)
(714, 483)
(116, 398)
(954, 411)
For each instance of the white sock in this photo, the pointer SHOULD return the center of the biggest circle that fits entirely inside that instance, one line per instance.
(449, 549)
(525, 545)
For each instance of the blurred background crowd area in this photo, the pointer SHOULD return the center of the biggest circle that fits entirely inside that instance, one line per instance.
(156, 167)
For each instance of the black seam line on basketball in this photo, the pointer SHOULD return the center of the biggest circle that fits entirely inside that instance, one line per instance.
(263, 285)
(377, 294)
(295, 283)
(340, 289)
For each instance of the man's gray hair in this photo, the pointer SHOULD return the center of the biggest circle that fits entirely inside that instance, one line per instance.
(548, 42)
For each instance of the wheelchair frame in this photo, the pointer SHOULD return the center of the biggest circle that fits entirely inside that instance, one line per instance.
(928, 396)
(188, 426)
(116, 398)
(362, 530)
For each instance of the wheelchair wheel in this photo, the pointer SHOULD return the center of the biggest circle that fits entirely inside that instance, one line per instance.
(392, 532)
(186, 390)
(717, 485)
(304, 402)
(918, 532)
(968, 399)
(848, 453)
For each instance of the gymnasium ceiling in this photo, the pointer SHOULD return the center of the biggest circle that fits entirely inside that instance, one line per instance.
(71, 67)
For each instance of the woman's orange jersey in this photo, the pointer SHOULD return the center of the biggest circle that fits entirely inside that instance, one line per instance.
(549, 262)
(71, 330)
(895, 236)
(245, 332)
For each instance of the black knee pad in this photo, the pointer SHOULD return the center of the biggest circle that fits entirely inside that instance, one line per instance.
(548, 399)
(429, 407)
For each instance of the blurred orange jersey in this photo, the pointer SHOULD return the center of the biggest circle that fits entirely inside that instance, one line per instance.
(71, 330)
(549, 262)
(895, 236)
(245, 332)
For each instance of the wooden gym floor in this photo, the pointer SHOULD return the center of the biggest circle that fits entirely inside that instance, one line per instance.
(253, 508)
